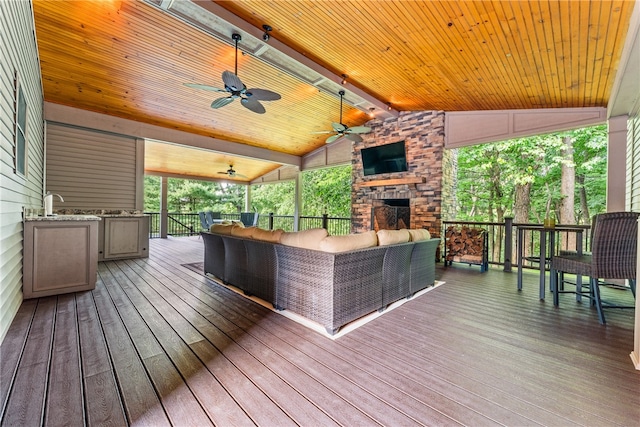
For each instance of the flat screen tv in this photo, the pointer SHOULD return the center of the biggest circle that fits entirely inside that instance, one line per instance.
(385, 158)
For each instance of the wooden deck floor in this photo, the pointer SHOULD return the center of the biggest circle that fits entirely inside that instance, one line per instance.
(157, 344)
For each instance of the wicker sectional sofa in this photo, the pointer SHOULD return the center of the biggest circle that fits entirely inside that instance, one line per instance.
(330, 288)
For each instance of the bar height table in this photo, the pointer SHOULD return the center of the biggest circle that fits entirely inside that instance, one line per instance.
(546, 234)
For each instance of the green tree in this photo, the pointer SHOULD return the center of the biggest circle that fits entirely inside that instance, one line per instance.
(327, 190)
(151, 193)
(185, 195)
(277, 198)
(522, 177)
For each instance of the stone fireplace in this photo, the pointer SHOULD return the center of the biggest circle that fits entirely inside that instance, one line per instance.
(387, 199)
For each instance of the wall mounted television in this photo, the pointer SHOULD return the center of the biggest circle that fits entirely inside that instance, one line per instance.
(385, 158)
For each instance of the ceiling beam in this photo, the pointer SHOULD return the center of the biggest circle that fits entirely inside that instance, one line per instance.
(221, 24)
(625, 94)
(102, 122)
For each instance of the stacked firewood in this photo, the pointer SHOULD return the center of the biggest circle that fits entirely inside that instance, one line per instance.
(464, 244)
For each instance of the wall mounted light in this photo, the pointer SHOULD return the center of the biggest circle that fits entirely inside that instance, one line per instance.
(344, 79)
(371, 110)
(388, 106)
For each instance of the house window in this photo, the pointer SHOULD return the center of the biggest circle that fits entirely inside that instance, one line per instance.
(21, 132)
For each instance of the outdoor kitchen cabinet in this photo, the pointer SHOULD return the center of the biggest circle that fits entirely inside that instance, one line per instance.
(60, 255)
(122, 237)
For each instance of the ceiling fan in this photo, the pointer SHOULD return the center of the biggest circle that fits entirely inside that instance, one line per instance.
(249, 98)
(343, 130)
(231, 173)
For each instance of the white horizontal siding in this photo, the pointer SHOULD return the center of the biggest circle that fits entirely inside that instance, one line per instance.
(91, 169)
(19, 55)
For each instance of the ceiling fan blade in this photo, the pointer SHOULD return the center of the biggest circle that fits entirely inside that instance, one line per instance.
(204, 87)
(338, 127)
(332, 138)
(353, 137)
(359, 129)
(263, 95)
(253, 105)
(232, 81)
(221, 102)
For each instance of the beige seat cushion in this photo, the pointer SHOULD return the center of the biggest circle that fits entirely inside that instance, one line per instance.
(221, 229)
(419, 234)
(391, 237)
(308, 239)
(246, 232)
(271, 236)
(349, 242)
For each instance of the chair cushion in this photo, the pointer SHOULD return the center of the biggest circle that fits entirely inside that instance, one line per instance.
(247, 232)
(392, 237)
(419, 234)
(573, 264)
(308, 239)
(271, 236)
(349, 242)
(221, 229)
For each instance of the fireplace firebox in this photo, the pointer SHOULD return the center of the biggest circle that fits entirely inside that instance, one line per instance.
(391, 214)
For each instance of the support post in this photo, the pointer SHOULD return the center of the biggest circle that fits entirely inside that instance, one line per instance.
(325, 221)
(508, 243)
(298, 202)
(616, 161)
(164, 211)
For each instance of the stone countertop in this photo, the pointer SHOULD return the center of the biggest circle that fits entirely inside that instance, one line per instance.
(125, 215)
(64, 218)
(104, 213)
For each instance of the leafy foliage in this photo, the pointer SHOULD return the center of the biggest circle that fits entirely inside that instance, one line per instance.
(184, 195)
(324, 191)
(488, 175)
(327, 191)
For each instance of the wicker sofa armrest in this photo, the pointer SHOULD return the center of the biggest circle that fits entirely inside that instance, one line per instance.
(423, 264)
(213, 254)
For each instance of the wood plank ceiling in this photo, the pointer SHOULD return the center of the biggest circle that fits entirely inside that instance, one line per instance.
(130, 59)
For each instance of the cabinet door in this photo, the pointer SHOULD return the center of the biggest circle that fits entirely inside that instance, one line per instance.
(59, 257)
(125, 237)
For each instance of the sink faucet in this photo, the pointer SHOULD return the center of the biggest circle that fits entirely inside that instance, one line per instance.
(48, 203)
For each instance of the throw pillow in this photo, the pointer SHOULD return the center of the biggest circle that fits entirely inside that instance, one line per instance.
(419, 234)
(349, 242)
(391, 237)
(308, 239)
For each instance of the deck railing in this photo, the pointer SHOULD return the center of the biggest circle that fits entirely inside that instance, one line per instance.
(502, 245)
(188, 224)
(502, 239)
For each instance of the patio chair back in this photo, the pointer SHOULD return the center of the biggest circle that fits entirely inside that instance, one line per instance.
(614, 245)
(249, 218)
(203, 221)
(211, 216)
